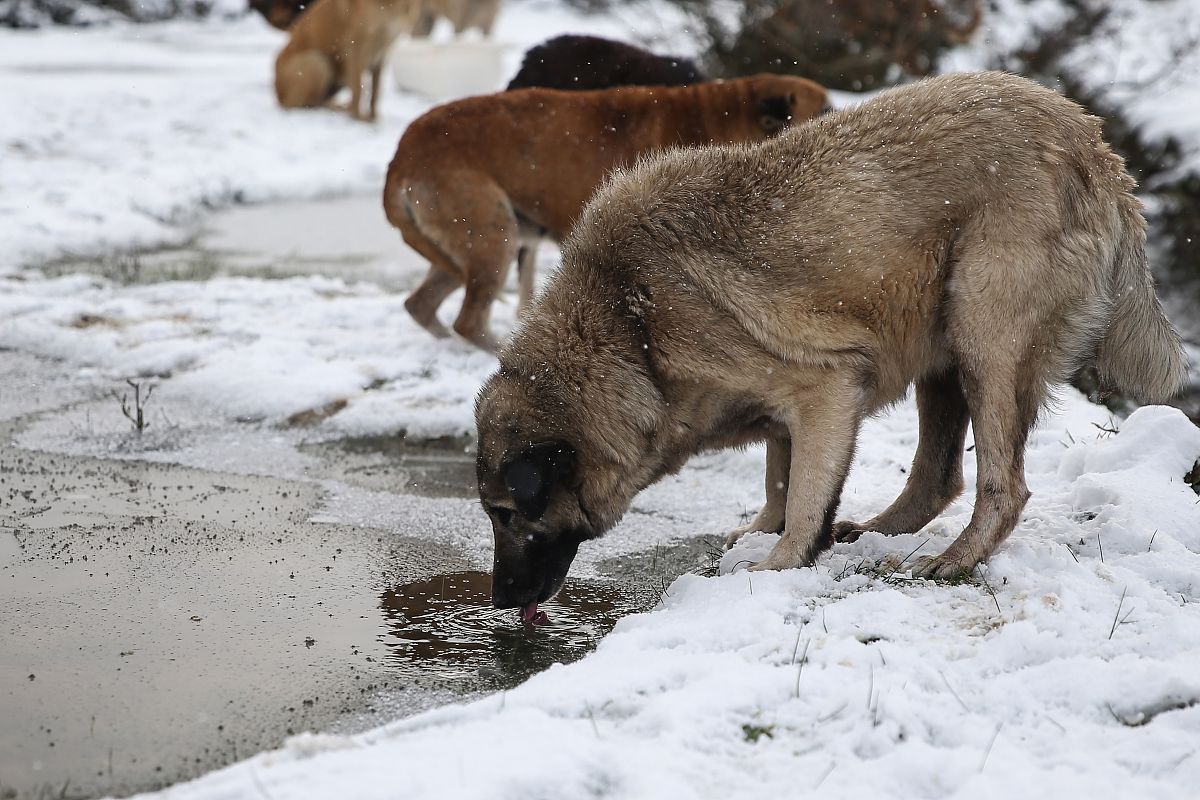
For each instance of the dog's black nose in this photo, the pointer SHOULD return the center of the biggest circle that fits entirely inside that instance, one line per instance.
(511, 593)
(506, 594)
(502, 598)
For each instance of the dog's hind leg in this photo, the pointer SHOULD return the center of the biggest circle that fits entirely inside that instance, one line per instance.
(526, 273)
(1002, 420)
(486, 246)
(465, 225)
(936, 475)
(376, 75)
(423, 303)
(1004, 378)
(354, 71)
(444, 275)
(304, 79)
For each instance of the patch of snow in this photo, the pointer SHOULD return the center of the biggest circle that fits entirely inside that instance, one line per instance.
(1058, 673)
(119, 137)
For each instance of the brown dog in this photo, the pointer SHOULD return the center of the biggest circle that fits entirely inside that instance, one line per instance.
(472, 177)
(971, 234)
(335, 44)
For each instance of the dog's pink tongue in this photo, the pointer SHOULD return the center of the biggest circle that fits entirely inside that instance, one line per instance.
(531, 616)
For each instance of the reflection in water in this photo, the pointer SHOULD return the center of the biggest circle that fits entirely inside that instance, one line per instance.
(446, 625)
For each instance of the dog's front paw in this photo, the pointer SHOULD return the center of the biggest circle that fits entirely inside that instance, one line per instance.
(775, 562)
(738, 533)
(944, 568)
(785, 555)
(847, 531)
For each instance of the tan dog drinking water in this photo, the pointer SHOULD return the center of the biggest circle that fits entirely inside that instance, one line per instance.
(969, 234)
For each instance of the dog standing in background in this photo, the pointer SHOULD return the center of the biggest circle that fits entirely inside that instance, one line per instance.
(969, 234)
(472, 179)
(579, 63)
(339, 43)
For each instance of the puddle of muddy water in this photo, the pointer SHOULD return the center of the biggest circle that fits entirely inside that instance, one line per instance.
(446, 626)
(160, 621)
(344, 237)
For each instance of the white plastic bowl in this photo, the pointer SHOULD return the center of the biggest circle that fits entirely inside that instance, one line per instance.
(449, 70)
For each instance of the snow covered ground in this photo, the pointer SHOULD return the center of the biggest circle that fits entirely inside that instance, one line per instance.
(1068, 667)
(114, 137)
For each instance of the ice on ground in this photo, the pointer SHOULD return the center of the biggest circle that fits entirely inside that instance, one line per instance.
(1059, 671)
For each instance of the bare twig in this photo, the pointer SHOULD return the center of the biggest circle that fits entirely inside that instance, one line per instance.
(825, 774)
(906, 558)
(1117, 619)
(991, 744)
(137, 417)
(992, 592)
(592, 717)
(803, 661)
(834, 713)
(946, 681)
(796, 646)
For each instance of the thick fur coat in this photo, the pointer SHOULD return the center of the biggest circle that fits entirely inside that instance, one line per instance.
(969, 234)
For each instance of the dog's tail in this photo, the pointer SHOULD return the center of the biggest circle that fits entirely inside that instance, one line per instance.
(1140, 353)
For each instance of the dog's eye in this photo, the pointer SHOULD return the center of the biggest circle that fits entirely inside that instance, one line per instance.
(502, 515)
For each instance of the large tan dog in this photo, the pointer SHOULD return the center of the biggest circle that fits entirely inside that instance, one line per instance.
(972, 234)
(471, 178)
(335, 44)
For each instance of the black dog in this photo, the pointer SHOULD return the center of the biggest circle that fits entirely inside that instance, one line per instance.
(590, 62)
(574, 62)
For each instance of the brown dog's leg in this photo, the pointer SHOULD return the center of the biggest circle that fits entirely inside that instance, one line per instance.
(770, 518)
(444, 275)
(354, 70)
(376, 74)
(823, 425)
(1002, 414)
(936, 476)
(423, 303)
(484, 282)
(465, 225)
(526, 273)
(486, 246)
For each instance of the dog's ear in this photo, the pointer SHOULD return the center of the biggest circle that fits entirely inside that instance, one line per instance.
(775, 113)
(532, 476)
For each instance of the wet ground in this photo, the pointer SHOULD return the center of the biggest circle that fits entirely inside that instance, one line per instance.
(163, 620)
